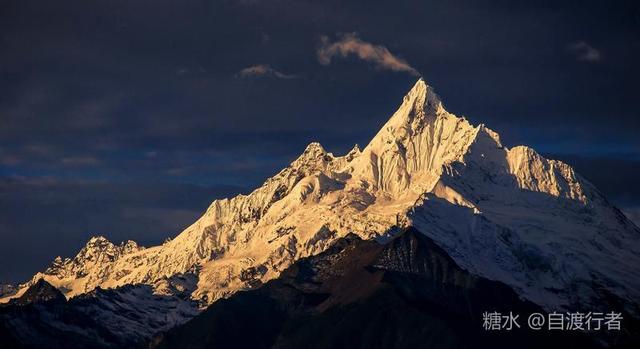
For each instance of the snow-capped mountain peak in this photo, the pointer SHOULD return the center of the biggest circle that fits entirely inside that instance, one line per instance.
(505, 214)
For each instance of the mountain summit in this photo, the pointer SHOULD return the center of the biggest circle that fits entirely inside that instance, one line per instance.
(508, 215)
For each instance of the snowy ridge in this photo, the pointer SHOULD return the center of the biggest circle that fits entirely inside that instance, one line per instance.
(505, 214)
(125, 317)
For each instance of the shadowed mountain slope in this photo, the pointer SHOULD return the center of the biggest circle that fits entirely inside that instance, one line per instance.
(407, 293)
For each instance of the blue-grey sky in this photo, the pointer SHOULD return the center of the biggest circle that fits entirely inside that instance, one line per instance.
(126, 118)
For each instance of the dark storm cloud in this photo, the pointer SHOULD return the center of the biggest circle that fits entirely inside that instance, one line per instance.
(148, 91)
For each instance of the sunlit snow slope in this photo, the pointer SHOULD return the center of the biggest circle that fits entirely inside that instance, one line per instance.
(504, 214)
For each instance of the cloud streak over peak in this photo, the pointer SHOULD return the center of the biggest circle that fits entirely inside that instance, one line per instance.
(350, 44)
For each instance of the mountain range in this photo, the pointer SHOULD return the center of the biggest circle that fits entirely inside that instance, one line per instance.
(491, 224)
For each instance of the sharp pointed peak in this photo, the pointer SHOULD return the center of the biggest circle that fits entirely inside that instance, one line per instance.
(420, 84)
(314, 150)
(420, 88)
(355, 149)
(353, 153)
(423, 96)
(314, 147)
(419, 104)
(98, 242)
(98, 238)
(313, 153)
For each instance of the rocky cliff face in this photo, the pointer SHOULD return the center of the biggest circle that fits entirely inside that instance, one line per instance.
(504, 214)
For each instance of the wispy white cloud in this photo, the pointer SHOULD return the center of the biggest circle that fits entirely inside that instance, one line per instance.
(264, 70)
(350, 44)
(585, 52)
